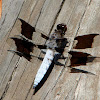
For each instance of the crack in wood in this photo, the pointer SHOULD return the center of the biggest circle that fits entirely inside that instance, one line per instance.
(7, 86)
(55, 83)
(5, 91)
(90, 2)
(8, 83)
(81, 20)
(68, 94)
(5, 15)
(3, 21)
(76, 34)
(6, 70)
(15, 20)
(49, 33)
(29, 91)
(77, 85)
(57, 15)
(39, 14)
(74, 89)
(33, 10)
(72, 42)
(72, 12)
(19, 82)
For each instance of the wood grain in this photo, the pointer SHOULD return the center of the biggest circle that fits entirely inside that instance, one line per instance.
(0, 8)
(17, 74)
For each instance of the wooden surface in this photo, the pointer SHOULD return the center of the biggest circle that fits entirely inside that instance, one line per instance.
(17, 74)
(0, 8)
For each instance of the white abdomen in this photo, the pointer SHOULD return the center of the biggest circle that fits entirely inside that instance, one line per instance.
(44, 67)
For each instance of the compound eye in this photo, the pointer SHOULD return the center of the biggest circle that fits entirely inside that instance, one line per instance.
(59, 26)
(62, 27)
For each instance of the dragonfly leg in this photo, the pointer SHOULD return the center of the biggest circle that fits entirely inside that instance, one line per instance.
(44, 51)
(58, 56)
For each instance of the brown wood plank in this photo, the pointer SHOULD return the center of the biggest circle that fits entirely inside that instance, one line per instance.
(7, 66)
(0, 8)
(8, 19)
(17, 74)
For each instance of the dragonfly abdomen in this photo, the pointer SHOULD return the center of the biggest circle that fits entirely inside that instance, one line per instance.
(44, 67)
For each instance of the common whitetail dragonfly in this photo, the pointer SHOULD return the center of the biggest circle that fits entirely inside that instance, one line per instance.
(53, 48)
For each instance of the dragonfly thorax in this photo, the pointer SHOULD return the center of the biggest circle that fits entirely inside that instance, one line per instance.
(52, 42)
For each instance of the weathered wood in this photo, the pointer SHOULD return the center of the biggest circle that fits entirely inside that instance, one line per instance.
(81, 86)
(0, 8)
(17, 74)
(9, 15)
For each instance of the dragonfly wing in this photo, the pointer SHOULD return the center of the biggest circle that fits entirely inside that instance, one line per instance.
(85, 41)
(27, 29)
(24, 47)
(79, 58)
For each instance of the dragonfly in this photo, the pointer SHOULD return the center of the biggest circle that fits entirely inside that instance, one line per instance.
(53, 48)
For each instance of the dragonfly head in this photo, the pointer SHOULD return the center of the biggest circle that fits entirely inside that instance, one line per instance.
(62, 27)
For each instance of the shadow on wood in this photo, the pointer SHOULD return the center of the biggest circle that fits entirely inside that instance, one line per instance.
(75, 70)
